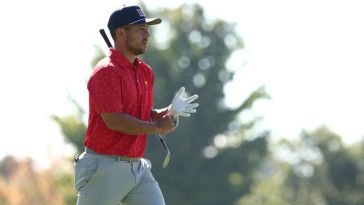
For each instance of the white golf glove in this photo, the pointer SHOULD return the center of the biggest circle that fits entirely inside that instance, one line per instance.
(182, 106)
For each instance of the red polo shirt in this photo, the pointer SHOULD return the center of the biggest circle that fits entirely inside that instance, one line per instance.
(116, 85)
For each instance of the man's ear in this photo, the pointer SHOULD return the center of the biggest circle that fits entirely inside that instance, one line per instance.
(119, 33)
(122, 31)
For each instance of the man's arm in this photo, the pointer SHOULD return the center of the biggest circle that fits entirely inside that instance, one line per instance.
(130, 125)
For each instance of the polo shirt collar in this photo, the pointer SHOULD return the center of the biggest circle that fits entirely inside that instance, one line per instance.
(121, 60)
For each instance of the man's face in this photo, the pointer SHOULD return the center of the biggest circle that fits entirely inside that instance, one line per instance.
(136, 38)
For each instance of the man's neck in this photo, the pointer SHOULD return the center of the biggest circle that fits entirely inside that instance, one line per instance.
(131, 57)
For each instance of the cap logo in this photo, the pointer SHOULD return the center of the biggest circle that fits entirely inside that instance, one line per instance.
(140, 12)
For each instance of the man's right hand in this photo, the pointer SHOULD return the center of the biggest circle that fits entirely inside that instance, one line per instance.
(165, 125)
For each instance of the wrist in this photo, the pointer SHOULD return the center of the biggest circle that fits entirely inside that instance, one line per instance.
(158, 130)
(169, 111)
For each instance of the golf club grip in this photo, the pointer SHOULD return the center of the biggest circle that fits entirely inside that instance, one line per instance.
(104, 36)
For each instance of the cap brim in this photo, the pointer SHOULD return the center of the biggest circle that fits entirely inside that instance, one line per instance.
(149, 21)
(153, 21)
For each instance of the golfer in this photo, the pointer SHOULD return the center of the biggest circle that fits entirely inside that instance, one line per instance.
(112, 169)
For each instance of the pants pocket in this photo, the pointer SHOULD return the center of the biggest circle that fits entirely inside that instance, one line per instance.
(85, 168)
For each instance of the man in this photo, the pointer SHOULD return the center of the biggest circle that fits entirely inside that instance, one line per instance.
(112, 169)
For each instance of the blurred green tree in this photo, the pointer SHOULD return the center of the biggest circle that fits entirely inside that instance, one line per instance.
(315, 169)
(326, 169)
(194, 54)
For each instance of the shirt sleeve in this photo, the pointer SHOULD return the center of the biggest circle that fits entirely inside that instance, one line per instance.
(105, 90)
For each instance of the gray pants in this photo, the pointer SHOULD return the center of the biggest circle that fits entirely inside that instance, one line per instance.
(101, 180)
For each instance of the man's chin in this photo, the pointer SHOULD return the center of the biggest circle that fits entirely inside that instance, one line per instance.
(139, 52)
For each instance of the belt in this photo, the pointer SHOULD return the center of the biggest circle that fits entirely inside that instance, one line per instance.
(116, 157)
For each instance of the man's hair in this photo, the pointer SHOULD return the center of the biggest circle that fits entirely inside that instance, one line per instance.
(113, 33)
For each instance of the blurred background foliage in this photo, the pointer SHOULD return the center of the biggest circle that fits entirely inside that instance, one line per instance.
(217, 158)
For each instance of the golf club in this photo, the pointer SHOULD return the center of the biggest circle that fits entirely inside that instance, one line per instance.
(168, 156)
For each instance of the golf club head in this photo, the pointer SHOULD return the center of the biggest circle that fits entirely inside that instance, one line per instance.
(166, 160)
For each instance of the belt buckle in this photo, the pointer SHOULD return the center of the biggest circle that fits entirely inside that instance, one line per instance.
(76, 158)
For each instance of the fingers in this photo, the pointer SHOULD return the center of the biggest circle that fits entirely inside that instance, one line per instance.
(192, 98)
(189, 110)
(178, 94)
(193, 105)
(184, 114)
